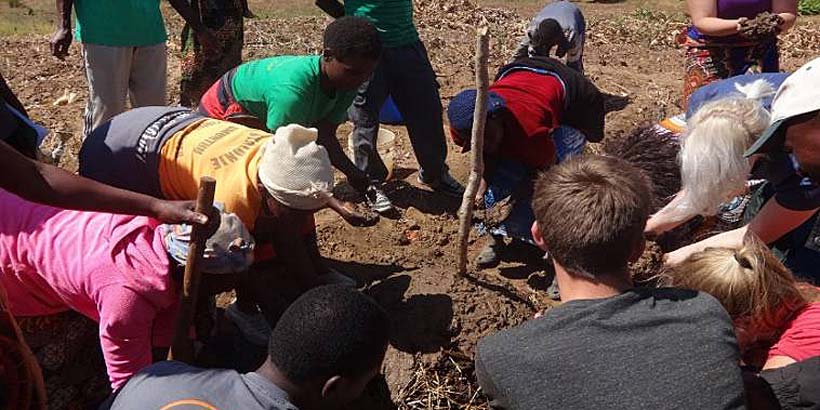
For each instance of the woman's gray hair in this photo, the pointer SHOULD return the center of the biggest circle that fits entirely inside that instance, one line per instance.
(713, 168)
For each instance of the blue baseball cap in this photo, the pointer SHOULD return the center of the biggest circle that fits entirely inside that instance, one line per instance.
(460, 114)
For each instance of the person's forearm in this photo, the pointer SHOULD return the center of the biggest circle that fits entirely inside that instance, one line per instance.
(64, 13)
(332, 7)
(334, 204)
(340, 161)
(787, 10)
(669, 217)
(47, 184)
(731, 239)
(715, 26)
(64, 190)
(188, 14)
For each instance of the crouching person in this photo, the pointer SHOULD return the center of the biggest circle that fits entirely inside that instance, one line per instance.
(539, 113)
(324, 350)
(118, 270)
(609, 345)
(309, 90)
(273, 183)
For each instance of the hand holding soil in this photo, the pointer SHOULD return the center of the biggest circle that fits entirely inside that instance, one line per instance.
(765, 25)
(359, 215)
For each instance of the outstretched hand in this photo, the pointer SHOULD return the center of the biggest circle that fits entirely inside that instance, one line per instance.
(358, 218)
(174, 212)
(763, 26)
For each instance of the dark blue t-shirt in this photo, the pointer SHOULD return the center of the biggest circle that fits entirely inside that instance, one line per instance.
(791, 189)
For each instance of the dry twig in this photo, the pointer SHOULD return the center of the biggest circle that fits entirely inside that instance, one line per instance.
(477, 154)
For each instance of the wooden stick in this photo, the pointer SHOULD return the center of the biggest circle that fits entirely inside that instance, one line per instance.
(482, 79)
(182, 348)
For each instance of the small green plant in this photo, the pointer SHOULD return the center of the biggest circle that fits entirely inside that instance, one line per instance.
(808, 7)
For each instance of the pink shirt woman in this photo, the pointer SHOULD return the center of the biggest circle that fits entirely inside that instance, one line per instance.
(113, 269)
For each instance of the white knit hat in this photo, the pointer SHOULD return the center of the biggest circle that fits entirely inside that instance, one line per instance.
(295, 170)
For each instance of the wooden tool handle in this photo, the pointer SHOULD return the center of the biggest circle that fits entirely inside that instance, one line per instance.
(182, 348)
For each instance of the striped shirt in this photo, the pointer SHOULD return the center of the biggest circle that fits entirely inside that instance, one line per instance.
(392, 18)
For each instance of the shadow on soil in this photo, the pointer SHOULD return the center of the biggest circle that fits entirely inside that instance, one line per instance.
(421, 323)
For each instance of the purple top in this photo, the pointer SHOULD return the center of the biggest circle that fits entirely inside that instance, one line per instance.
(732, 9)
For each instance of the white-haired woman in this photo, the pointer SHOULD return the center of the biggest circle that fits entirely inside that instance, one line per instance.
(714, 169)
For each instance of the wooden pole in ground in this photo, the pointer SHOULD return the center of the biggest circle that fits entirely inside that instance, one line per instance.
(182, 348)
(482, 79)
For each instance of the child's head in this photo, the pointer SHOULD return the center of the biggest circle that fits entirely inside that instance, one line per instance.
(330, 342)
(352, 49)
(547, 35)
(295, 172)
(752, 285)
(590, 214)
(713, 168)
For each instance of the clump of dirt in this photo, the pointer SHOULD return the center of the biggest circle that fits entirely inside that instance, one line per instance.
(646, 269)
(653, 153)
(763, 26)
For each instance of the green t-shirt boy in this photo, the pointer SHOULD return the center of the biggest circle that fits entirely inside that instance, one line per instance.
(287, 90)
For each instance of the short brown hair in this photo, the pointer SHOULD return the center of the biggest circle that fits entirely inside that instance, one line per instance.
(591, 211)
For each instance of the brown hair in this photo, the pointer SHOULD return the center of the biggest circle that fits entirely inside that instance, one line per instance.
(591, 211)
(759, 293)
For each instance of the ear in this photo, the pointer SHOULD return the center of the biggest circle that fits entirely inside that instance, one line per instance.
(331, 386)
(637, 250)
(536, 236)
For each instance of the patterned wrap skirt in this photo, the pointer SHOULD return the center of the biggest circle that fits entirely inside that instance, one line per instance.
(200, 66)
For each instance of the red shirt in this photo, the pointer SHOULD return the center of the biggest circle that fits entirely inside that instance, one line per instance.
(801, 340)
(536, 102)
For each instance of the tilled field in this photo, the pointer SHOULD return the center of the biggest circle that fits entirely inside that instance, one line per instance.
(408, 263)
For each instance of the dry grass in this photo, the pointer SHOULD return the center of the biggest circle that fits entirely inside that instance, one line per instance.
(26, 18)
(448, 383)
